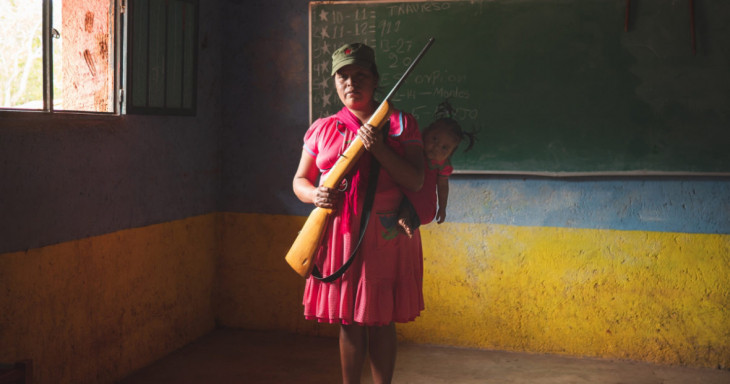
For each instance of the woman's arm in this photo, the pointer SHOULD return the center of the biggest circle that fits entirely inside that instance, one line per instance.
(304, 184)
(406, 170)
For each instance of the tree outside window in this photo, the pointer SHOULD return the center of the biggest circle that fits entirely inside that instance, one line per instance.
(81, 67)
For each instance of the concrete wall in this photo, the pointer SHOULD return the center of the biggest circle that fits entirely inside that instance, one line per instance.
(94, 309)
(549, 266)
(108, 232)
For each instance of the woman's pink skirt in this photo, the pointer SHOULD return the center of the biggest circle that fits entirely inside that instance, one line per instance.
(384, 284)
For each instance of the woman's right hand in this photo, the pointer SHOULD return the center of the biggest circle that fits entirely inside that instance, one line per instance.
(324, 197)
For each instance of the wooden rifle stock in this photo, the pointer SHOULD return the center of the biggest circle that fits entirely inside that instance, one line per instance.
(301, 254)
(305, 245)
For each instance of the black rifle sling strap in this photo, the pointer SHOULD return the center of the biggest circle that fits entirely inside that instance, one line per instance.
(364, 218)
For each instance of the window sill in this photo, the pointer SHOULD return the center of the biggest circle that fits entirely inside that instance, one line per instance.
(20, 114)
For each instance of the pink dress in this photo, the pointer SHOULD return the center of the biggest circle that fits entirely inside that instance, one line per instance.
(384, 284)
(425, 201)
(444, 169)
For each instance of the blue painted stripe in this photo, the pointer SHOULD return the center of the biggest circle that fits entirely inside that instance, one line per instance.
(688, 206)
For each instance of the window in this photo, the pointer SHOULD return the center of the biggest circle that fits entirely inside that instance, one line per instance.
(162, 56)
(65, 55)
(58, 55)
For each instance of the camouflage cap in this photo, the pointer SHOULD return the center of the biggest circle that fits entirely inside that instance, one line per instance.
(356, 53)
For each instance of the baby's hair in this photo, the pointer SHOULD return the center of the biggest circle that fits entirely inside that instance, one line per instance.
(445, 114)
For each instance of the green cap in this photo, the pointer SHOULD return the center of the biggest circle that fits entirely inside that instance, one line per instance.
(356, 53)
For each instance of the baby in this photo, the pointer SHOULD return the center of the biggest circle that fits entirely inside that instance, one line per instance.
(440, 140)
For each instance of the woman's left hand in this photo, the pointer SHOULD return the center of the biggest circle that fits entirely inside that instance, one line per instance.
(371, 138)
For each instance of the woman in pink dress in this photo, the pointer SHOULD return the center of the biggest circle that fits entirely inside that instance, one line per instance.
(383, 285)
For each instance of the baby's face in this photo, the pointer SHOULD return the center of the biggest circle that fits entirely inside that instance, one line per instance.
(439, 143)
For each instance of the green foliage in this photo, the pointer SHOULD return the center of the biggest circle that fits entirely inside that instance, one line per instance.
(21, 62)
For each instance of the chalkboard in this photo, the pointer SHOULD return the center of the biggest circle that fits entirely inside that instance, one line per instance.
(554, 87)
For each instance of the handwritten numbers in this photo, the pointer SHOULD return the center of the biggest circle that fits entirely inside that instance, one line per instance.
(361, 14)
(387, 27)
(338, 17)
(390, 30)
(361, 29)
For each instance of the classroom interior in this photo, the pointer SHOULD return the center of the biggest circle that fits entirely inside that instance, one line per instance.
(146, 247)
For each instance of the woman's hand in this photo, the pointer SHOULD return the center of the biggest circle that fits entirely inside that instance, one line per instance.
(372, 139)
(406, 169)
(324, 197)
(305, 189)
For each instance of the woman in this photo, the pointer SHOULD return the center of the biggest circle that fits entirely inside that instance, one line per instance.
(384, 283)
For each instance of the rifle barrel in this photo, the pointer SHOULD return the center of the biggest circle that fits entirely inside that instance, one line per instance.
(410, 68)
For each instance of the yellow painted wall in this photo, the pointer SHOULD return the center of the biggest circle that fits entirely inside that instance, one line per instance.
(648, 296)
(95, 309)
(257, 289)
(652, 296)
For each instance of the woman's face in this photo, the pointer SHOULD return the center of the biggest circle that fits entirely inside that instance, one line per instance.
(355, 87)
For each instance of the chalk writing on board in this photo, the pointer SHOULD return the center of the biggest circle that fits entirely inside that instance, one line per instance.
(551, 86)
(386, 30)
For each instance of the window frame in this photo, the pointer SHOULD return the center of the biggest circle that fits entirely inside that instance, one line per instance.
(122, 68)
(119, 38)
(130, 107)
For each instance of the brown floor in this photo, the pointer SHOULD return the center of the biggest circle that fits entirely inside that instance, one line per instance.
(237, 356)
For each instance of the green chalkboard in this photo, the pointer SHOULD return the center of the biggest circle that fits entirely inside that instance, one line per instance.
(551, 86)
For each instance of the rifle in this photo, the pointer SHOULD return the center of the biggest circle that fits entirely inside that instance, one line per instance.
(305, 245)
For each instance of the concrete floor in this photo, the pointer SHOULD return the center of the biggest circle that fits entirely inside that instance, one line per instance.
(236, 356)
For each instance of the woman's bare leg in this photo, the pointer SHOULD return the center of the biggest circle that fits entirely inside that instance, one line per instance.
(383, 347)
(353, 346)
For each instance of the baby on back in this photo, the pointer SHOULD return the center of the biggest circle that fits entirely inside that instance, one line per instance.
(440, 140)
